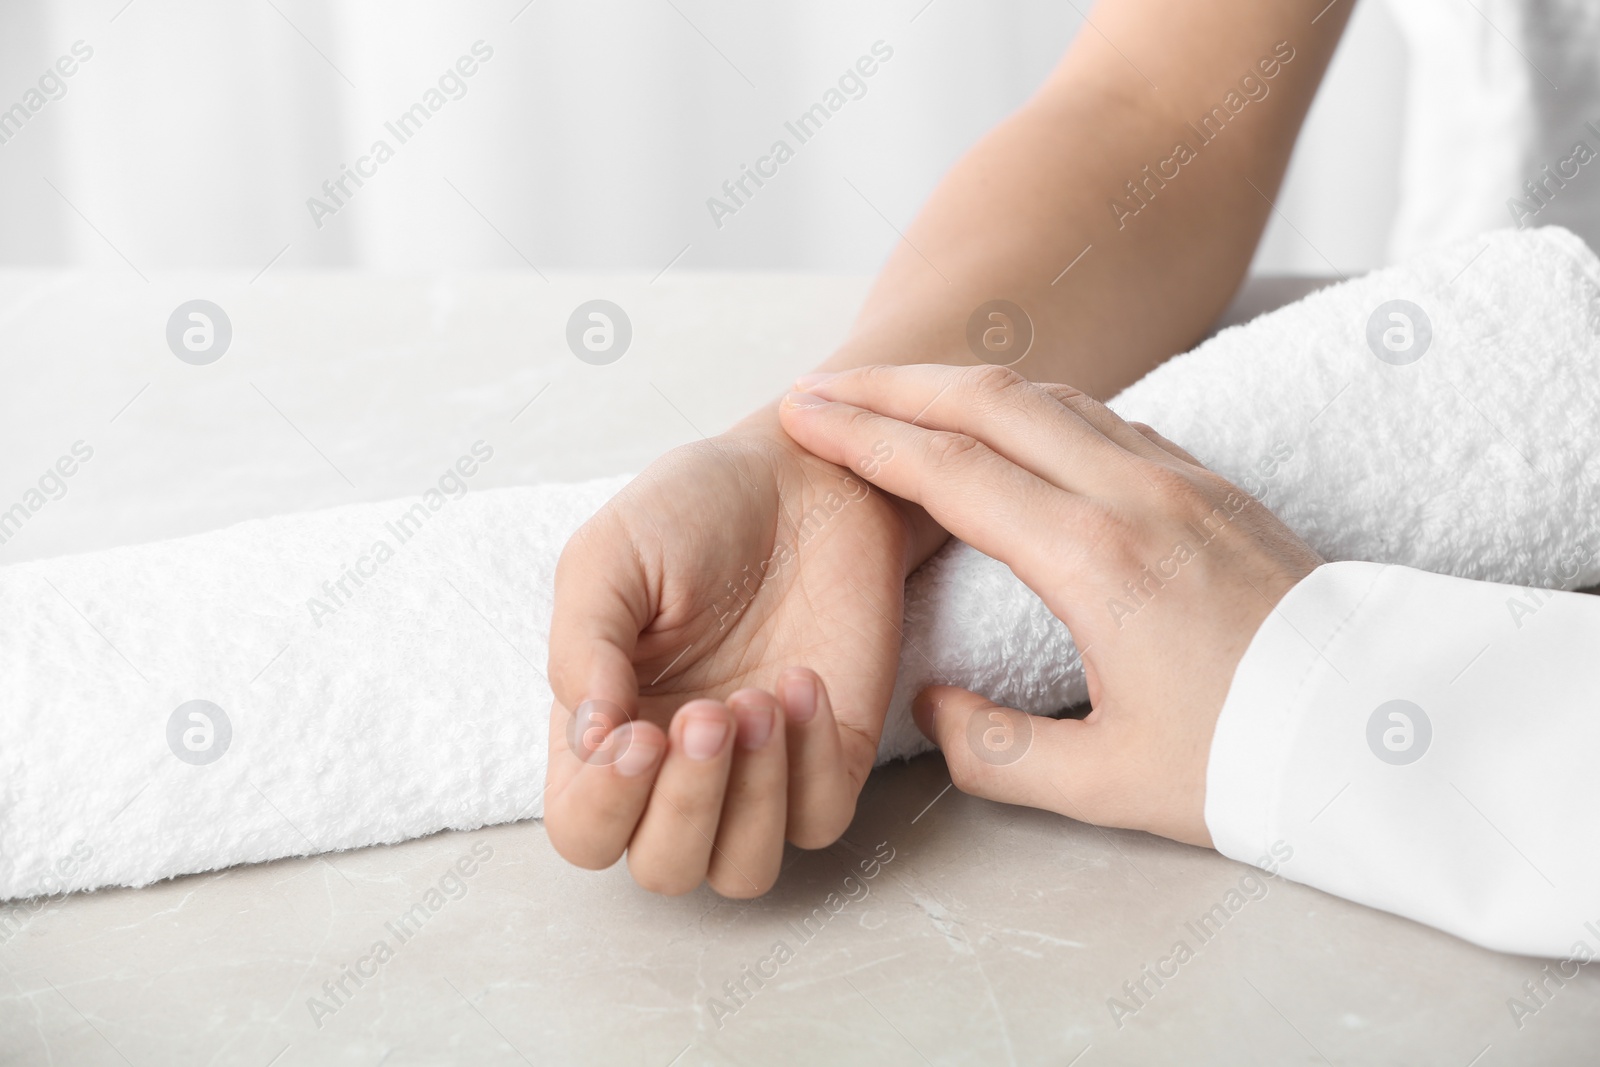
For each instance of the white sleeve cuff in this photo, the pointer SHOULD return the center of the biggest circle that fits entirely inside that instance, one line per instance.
(1425, 745)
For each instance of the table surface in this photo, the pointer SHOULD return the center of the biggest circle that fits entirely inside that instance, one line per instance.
(940, 929)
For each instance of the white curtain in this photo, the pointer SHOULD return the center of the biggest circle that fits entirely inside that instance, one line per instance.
(591, 138)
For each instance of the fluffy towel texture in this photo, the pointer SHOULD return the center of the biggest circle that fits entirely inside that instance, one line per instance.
(417, 701)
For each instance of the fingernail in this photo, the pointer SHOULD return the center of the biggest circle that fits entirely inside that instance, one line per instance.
(638, 755)
(703, 737)
(589, 730)
(755, 724)
(806, 381)
(800, 696)
(803, 400)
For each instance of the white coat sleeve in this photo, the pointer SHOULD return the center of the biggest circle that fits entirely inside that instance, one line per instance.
(1423, 744)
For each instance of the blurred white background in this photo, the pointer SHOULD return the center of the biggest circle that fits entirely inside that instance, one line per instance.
(590, 140)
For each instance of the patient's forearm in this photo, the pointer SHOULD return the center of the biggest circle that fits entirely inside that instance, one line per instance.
(1026, 202)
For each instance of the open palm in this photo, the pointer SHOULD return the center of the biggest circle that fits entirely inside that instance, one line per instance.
(724, 564)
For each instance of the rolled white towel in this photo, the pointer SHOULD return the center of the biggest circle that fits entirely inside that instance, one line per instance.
(373, 673)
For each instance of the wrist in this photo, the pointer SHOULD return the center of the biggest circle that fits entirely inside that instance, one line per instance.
(924, 536)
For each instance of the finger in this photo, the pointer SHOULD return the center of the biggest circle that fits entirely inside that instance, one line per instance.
(1165, 445)
(1006, 755)
(601, 605)
(592, 819)
(978, 495)
(1102, 418)
(749, 850)
(822, 796)
(1059, 433)
(671, 848)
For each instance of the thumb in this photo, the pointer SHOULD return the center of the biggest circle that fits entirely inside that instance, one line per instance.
(1003, 754)
(601, 605)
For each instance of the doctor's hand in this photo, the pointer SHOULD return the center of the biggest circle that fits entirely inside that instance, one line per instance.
(1162, 570)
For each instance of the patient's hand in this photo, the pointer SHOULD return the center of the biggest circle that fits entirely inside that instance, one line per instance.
(1162, 570)
(725, 571)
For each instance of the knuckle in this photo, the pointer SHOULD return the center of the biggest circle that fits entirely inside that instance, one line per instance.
(993, 388)
(1085, 405)
(1213, 498)
(1193, 492)
(872, 376)
(946, 449)
(1061, 391)
(990, 379)
(1172, 483)
(859, 422)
